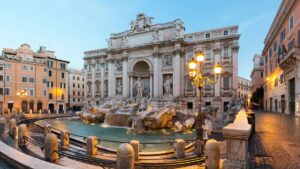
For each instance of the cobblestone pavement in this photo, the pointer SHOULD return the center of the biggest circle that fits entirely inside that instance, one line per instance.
(276, 143)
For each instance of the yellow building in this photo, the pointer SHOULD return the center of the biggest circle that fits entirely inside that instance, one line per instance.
(34, 81)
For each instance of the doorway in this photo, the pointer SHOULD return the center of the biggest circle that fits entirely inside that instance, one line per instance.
(24, 106)
(39, 106)
(51, 107)
(61, 108)
(282, 104)
(292, 96)
(10, 106)
(190, 105)
(225, 106)
(270, 104)
(31, 105)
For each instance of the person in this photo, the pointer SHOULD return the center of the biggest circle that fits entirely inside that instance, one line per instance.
(139, 87)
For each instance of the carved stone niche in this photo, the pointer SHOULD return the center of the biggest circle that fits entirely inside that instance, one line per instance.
(167, 60)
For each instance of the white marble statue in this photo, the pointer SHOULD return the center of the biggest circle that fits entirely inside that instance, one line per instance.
(124, 41)
(119, 87)
(142, 21)
(139, 86)
(178, 30)
(155, 36)
(168, 85)
(119, 66)
(168, 60)
(108, 43)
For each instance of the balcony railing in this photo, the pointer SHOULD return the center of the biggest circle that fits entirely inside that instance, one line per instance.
(189, 92)
(286, 54)
(208, 92)
(226, 92)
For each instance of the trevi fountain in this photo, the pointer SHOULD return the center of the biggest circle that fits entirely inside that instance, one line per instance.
(121, 120)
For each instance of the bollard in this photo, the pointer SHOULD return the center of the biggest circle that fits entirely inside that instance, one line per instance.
(2, 125)
(40, 111)
(15, 132)
(48, 111)
(64, 138)
(22, 135)
(179, 148)
(212, 151)
(30, 112)
(47, 129)
(91, 142)
(51, 147)
(125, 156)
(12, 124)
(136, 147)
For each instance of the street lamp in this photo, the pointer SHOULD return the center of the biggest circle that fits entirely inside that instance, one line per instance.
(198, 80)
(23, 93)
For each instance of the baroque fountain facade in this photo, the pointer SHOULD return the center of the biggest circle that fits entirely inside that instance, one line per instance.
(149, 61)
(140, 80)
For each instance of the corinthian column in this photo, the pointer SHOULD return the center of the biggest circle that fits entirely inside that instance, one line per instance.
(156, 76)
(102, 70)
(125, 77)
(93, 79)
(176, 71)
(111, 79)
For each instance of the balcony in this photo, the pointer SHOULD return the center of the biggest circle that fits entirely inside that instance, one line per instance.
(226, 60)
(226, 92)
(189, 92)
(288, 57)
(208, 92)
(106, 93)
(209, 62)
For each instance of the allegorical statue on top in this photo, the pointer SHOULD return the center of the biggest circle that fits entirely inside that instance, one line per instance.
(141, 23)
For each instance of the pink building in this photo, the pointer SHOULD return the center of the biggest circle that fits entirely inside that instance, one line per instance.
(282, 60)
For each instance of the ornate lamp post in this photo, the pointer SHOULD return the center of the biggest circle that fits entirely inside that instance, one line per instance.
(198, 80)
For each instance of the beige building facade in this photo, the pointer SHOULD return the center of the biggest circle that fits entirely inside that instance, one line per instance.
(282, 64)
(2, 69)
(149, 60)
(34, 81)
(76, 89)
(257, 74)
(244, 88)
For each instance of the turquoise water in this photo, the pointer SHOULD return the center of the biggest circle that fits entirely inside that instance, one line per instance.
(105, 132)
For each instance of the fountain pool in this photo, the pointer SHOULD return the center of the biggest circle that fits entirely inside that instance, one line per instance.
(119, 134)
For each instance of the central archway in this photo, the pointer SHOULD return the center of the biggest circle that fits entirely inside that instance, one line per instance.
(141, 66)
(141, 79)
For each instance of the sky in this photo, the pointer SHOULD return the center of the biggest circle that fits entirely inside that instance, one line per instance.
(70, 27)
